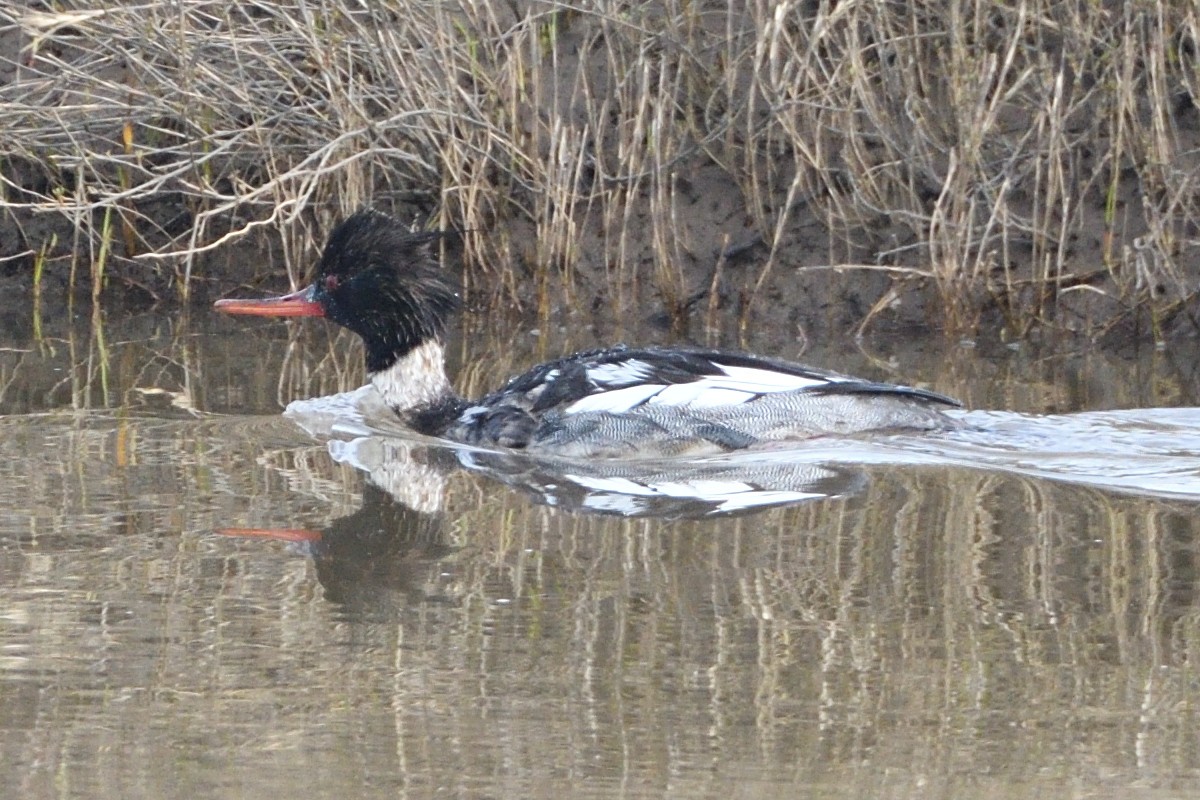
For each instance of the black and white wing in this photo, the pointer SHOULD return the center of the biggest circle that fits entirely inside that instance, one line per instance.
(655, 380)
(619, 380)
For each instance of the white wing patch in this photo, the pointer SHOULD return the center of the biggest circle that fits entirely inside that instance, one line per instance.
(701, 394)
(616, 401)
(620, 373)
(753, 379)
(736, 386)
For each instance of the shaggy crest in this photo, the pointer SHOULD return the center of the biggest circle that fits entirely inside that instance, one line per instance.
(385, 284)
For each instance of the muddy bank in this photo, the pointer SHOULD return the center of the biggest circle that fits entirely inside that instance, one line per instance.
(1001, 171)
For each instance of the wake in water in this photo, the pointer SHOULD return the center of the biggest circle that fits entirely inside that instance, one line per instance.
(1153, 452)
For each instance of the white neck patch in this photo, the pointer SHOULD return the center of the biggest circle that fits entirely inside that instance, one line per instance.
(418, 379)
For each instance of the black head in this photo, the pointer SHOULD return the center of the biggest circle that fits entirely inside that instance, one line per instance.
(385, 284)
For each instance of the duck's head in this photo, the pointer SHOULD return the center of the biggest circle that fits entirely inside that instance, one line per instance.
(378, 280)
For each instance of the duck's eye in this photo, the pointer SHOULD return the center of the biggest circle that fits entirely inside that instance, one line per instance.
(331, 283)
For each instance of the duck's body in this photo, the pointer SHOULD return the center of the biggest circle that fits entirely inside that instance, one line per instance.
(384, 284)
(664, 402)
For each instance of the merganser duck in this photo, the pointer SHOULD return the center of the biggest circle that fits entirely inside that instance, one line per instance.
(385, 284)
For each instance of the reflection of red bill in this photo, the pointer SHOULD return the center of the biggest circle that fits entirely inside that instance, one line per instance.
(296, 304)
(278, 534)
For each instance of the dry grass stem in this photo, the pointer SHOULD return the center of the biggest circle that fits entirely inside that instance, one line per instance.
(605, 151)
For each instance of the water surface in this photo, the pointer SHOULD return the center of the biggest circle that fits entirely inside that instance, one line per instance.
(200, 599)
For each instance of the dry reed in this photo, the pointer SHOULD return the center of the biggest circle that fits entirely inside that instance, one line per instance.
(1028, 158)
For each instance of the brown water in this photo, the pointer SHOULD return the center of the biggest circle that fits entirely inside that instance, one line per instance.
(934, 631)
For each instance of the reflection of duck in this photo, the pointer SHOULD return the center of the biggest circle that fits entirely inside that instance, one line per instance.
(383, 553)
(674, 489)
(383, 283)
(384, 557)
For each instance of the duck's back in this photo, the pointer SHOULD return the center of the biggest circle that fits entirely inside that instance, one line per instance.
(663, 402)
